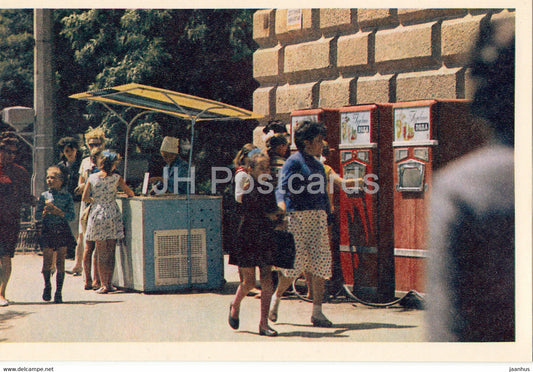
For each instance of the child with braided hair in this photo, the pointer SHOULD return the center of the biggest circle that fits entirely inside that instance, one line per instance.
(104, 225)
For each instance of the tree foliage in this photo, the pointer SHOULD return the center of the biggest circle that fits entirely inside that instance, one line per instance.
(203, 52)
(196, 51)
(16, 58)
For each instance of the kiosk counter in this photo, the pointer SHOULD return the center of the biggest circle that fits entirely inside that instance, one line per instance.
(157, 254)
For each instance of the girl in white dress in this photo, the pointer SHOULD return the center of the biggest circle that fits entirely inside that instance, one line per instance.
(105, 225)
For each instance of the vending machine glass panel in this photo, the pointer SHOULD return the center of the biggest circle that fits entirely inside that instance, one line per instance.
(410, 176)
(363, 155)
(400, 154)
(421, 153)
(354, 170)
(346, 155)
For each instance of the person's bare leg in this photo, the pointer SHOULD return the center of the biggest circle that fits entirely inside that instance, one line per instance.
(283, 285)
(48, 257)
(246, 285)
(87, 264)
(5, 273)
(309, 283)
(318, 318)
(266, 295)
(95, 266)
(111, 246)
(102, 267)
(106, 261)
(53, 269)
(78, 259)
(60, 276)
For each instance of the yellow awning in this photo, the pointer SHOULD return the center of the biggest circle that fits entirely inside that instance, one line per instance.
(168, 102)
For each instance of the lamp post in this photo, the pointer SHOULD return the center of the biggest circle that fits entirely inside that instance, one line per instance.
(43, 97)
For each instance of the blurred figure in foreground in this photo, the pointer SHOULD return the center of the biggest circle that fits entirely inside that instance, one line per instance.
(471, 277)
(15, 190)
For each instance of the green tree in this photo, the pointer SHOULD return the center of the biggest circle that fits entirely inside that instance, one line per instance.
(201, 52)
(16, 58)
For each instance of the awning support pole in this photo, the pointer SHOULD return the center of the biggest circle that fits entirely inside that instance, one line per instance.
(128, 128)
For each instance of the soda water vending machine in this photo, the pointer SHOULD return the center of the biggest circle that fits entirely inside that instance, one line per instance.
(366, 232)
(427, 135)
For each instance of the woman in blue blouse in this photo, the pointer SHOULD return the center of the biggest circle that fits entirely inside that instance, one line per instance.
(302, 193)
(55, 208)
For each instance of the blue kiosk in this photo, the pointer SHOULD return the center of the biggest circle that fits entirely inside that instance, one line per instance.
(173, 242)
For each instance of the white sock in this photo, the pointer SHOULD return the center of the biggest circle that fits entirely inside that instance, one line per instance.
(317, 311)
(274, 303)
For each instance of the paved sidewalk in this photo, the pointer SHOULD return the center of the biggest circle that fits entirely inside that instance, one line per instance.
(86, 316)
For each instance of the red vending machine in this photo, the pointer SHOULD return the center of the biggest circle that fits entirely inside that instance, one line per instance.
(366, 232)
(427, 135)
(330, 117)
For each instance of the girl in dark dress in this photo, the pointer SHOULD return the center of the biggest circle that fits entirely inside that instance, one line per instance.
(260, 215)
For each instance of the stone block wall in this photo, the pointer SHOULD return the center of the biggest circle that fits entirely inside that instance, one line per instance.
(312, 58)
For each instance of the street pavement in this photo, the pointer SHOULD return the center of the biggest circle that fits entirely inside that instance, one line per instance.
(192, 316)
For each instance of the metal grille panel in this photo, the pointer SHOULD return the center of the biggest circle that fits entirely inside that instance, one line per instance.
(172, 261)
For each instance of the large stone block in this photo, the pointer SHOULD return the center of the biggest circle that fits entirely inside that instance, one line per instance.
(411, 15)
(263, 27)
(458, 37)
(374, 89)
(264, 100)
(406, 43)
(337, 93)
(353, 50)
(285, 28)
(268, 64)
(443, 83)
(309, 56)
(455, 12)
(376, 17)
(407, 15)
(296, 97)
(505, 18)
(470, 85)
(337, 19)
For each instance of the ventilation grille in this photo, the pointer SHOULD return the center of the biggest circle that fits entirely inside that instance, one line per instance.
(171, 259)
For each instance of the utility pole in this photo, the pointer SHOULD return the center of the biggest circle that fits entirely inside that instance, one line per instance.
(43, 97)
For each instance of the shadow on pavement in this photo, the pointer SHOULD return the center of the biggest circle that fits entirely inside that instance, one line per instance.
(228, 288)
(9, 315)
(64, 303)
(337, 331)
(365, 326)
